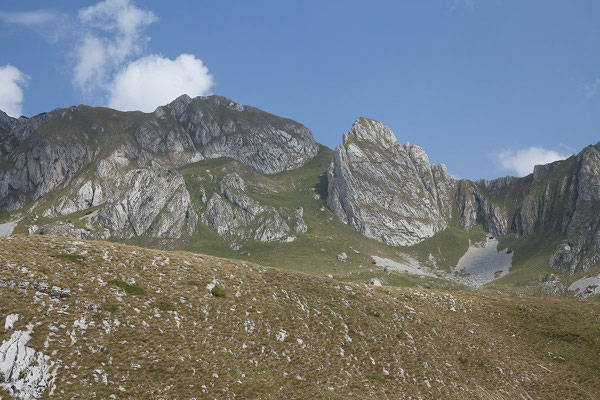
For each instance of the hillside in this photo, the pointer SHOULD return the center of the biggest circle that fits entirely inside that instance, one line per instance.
(97, 319)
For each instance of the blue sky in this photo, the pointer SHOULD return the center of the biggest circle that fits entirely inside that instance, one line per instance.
(488, 87)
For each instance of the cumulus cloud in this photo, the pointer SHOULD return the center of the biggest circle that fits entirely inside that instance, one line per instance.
(154, 80)
(113, 36)
(11, 92)
(523, 161)
(109, 60)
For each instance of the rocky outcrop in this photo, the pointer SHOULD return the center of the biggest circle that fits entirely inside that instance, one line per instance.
(44, 153)
(24, 372)
(388, 191)
(237, 218)
(579, 219)
(153, 202)
(218, 127)
(40, 169)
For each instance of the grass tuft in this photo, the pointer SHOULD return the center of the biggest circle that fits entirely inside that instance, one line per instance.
(166, 306)
(130, 289)
(374, 377)
(218, 292)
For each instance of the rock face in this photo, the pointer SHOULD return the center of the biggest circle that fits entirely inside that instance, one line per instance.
(218, 127)
(44, 153)
(153, 202)
(236, 217)
(123, 167)
(390, 192)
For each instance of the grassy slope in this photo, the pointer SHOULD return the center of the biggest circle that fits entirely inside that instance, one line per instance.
(447, 246)
(174, 339)
(314, 252)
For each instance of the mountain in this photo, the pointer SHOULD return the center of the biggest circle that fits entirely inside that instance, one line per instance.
(125, 164)
(210, 175)
(390, 192)
(92, 319)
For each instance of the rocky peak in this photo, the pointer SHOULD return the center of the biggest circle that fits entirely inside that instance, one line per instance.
(370, 130)
(218, 127)
(388, 192)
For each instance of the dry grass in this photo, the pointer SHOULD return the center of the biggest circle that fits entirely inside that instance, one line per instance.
(280, 334)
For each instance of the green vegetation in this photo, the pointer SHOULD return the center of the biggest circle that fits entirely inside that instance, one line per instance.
(165, 306)
(447, 246)
(218, 292)
(529, 264)
(374, 377)
(130, 289)
(313, 252)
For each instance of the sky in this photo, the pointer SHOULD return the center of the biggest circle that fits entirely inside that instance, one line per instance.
(488, 87)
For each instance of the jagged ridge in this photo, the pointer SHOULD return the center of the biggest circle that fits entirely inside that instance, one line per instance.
(390, 192)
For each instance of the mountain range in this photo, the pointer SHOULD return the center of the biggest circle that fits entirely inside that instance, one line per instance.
(208, 174)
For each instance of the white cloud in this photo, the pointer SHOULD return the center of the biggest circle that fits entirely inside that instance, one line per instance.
(91, 64)
(114, 35)
(28, 18)
(154, 80)
(523, 161)
(106, 41)
(50, 25)
(11, 93)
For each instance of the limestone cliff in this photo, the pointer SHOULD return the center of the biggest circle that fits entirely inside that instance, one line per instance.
(390, 192)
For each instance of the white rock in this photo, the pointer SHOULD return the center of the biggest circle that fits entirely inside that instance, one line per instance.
(10, 321)
(25, 372)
